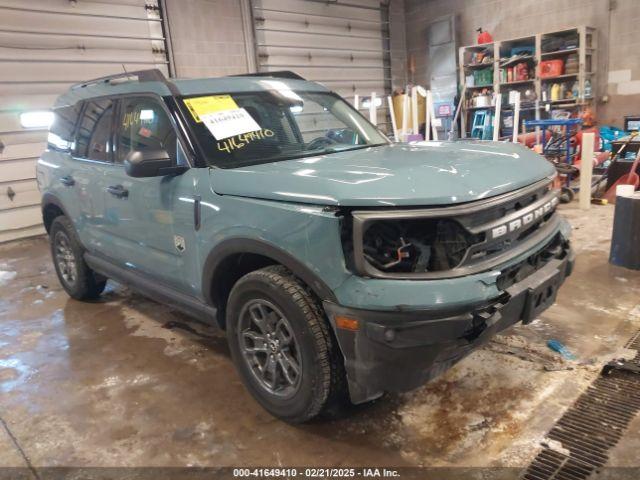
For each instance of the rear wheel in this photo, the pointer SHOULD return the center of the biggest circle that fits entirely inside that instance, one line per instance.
(75, 276)
(282, 345)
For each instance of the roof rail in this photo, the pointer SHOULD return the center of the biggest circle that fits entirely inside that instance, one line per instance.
(277, 74)
(150, 75)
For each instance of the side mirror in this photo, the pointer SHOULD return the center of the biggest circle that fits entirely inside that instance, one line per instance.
(151, 163)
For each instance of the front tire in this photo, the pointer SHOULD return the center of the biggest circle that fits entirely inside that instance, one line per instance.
(75, 276)
(282, 346)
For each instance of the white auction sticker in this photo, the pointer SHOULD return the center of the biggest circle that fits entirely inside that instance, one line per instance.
(228, 123)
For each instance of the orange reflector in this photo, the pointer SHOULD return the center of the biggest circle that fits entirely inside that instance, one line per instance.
(347, 323)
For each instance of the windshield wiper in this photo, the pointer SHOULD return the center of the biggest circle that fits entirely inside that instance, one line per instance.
(350, 147)
(292, 156)
(312, 153)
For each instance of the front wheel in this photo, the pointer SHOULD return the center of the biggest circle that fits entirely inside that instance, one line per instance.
(281, 344)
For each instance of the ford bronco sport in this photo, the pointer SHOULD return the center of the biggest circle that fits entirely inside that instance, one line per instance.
(338, 263)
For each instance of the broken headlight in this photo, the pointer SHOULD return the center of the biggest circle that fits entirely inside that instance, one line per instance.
(416, 245)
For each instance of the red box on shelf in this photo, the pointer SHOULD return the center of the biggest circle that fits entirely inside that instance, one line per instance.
(521, 72)
(551, 68)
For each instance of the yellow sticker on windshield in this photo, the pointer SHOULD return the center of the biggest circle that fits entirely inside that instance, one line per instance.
(210, 104)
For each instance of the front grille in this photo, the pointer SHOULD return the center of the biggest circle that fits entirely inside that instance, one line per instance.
(483, 251)
(449, 241)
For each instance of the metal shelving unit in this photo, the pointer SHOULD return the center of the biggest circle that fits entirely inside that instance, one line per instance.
(585, 50)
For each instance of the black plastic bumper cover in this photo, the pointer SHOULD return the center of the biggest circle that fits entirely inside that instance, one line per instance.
(396, 351)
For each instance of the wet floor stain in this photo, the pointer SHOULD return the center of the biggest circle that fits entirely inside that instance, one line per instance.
(125, 381)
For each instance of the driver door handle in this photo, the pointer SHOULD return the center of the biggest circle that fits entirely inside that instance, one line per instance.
(118, 191)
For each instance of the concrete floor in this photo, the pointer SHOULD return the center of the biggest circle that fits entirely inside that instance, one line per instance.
(127, 382)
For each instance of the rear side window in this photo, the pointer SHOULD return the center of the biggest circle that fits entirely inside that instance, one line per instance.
(144, 126)
(63, 127)
(94, 139)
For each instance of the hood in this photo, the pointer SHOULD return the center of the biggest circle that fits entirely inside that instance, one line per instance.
(425, 173)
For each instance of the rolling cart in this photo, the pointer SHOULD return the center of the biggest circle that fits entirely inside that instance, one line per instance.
(559, 150)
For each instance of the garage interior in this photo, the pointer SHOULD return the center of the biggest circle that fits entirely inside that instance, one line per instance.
(125, 382)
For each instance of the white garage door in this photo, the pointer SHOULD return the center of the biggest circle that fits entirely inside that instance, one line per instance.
(343, 44)
(46, 45)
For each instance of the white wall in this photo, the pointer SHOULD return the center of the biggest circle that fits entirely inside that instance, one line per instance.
(210, 38)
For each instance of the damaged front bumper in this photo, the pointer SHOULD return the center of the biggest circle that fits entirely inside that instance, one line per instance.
(395, 351)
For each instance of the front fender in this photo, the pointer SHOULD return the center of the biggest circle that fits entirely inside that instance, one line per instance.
(239, 245)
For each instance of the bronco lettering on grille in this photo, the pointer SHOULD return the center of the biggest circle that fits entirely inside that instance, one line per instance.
(524, 220)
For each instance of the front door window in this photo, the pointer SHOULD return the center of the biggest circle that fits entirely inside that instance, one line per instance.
(144, 126)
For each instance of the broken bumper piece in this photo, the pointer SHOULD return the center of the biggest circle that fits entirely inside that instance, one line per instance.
(396, 351)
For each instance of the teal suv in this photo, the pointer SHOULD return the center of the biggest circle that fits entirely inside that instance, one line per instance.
(340, 265)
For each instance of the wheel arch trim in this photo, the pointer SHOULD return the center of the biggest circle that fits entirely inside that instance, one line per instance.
(242, 245)
(51, 199)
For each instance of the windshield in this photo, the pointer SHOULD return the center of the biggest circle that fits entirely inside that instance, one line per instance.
(240, 129)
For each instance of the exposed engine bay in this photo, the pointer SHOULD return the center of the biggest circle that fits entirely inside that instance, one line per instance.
(425, 245)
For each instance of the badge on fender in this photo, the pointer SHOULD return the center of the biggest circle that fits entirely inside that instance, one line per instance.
(180, 244)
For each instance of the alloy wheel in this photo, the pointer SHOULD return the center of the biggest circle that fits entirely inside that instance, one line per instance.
(65, 258)
(269, 347)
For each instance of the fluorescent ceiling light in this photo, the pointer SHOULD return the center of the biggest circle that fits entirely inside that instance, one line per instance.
(37, 119)
(282, 88)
